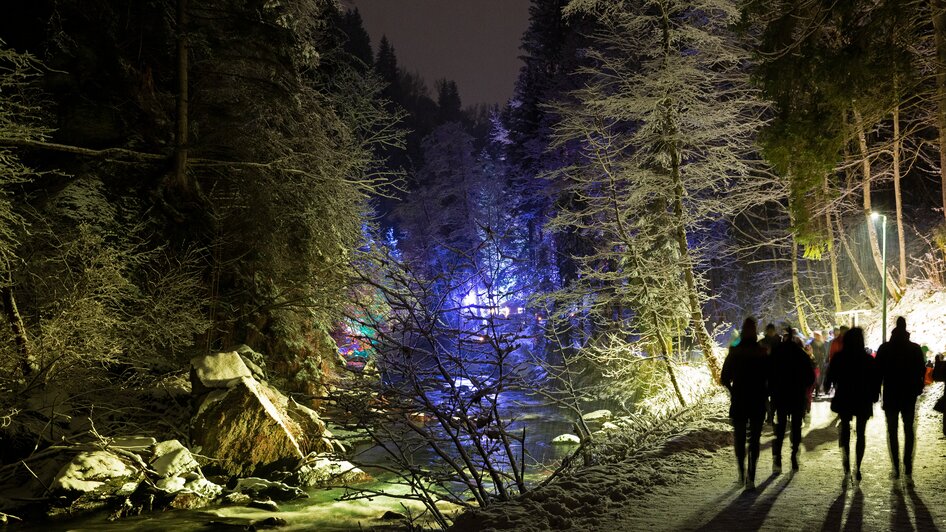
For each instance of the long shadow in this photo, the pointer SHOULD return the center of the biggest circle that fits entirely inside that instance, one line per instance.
(855, 517)
(899, 516)
(820, 436)
(712, 506)
(749, 510)
(832, 522)
(921, 514)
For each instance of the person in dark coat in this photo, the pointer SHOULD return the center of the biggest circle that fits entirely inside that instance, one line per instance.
(791, 375)
(853, 373)
(902, 370)
(744, 374)
(771, 339)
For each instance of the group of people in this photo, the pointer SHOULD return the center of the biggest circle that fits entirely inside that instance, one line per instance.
(776, 374)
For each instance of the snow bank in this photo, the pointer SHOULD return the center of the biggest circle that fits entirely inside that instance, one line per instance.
(925, 311)
(631, 463)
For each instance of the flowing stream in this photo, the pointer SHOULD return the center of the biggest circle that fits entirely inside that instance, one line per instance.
(322, 511)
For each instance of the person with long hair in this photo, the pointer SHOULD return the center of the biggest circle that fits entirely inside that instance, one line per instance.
(853, 373)
(744, 374)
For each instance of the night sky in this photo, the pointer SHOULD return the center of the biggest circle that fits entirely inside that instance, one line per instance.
(473, 42)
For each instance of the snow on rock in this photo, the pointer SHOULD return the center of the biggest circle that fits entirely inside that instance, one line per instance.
(257, 487)
(219, 370)
(171, 459)
(566, 439)
(91, 470)
(320, 470)
(597, 415)
(253, 360)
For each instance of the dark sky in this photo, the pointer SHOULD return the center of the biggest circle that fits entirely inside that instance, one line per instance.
(473, 42)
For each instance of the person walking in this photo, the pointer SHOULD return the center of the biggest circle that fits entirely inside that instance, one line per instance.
(744, 374)
(819, 352)
(771, 339)
(853, 373)
(902, 370)
(791, 375)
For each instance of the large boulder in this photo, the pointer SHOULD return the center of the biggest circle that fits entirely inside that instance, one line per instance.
(251, 427)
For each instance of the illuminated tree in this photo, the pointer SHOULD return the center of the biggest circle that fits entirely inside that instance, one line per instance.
(665, 128)
(18, 120)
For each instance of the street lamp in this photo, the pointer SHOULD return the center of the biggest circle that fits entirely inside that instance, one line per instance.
(883, 240)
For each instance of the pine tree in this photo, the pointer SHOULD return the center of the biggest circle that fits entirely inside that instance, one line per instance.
(665, 128)
(448, 102)
(357, 40)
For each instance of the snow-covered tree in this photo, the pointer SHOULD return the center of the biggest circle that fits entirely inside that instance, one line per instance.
(665, 128)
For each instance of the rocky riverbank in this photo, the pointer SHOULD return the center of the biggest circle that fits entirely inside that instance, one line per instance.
(248, 444)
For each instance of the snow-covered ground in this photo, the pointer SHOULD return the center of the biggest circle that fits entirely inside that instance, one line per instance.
(925, 312)
(690, 485)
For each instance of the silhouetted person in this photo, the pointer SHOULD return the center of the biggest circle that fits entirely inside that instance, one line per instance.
(819, 352)
(902, 369)
(771, 339)
(744, 374)
(790, 378)
(853, 372)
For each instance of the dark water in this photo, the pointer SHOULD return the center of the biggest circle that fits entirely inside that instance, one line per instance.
(322, 510)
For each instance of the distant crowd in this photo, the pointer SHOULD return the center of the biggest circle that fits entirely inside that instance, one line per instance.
(774, 378)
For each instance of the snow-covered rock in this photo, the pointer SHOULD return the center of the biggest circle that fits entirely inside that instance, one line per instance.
(260, 487)
(91, 470)
(321, 470)
(566, 439)
(597, 415)
(171, 484)
(219, 370)
(172, 459)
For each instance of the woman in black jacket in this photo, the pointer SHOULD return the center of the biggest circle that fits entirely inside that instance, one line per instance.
(853, 372)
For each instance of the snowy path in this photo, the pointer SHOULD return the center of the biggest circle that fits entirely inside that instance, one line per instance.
(695, 488)
(811, 499)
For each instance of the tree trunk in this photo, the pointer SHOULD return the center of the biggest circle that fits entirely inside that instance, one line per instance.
(866, 182)
(832, 256)
(27, 364)
(696, 311)
(796, 285)
(181, 181)
(938, 12)
(897, 197)
(670, 133)
(666, 348)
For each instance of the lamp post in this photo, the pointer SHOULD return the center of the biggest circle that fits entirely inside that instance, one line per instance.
(883, 246)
